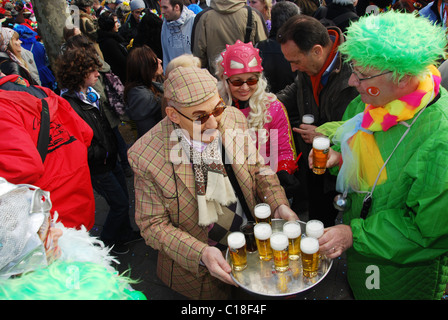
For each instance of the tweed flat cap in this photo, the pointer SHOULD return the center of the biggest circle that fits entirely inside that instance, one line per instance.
(189, 86)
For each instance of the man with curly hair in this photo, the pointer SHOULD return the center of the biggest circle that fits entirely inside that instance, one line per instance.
(393, 151)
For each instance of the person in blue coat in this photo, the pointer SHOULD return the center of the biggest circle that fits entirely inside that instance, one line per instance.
(30, 43)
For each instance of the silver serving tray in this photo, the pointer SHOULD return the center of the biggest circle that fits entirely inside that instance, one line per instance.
(260, 277)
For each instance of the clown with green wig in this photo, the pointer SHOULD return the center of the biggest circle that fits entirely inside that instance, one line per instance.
(391, 154)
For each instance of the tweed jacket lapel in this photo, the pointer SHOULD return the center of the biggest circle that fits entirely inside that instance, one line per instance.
(176, 155)
(236, 140)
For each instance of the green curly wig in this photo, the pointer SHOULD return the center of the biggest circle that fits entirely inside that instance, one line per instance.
(399, 42)
(64, 280)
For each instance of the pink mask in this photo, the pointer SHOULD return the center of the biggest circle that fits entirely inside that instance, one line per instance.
(241, 58)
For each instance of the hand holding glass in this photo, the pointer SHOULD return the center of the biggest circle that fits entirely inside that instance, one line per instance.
(321, 146)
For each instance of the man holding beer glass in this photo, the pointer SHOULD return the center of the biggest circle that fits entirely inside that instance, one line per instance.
(185, 209)
(320, 90)
(393, 150)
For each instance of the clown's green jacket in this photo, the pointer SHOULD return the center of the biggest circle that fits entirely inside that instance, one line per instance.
(400, 251)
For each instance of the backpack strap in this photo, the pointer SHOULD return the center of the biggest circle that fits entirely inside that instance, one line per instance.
(44, 133)
(249, 26)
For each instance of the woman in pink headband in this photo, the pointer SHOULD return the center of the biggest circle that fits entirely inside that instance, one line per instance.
(242, 84)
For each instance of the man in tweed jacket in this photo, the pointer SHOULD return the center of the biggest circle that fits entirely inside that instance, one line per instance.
(167, 209)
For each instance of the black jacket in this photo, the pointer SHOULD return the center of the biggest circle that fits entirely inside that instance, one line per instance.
(8, 67)
(114, 52)
(144, 107)
(103, 150)
(276, 68)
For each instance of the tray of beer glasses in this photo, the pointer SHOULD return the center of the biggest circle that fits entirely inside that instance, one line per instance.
(282, 261)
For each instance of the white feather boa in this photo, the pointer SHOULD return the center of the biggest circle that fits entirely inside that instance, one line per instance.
(79, 245)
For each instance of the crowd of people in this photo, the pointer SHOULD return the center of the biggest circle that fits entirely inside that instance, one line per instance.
(216, 92)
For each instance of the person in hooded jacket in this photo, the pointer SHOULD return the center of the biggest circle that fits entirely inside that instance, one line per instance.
(112, 44)
(176, 29)
(29, 42)
(223, 23)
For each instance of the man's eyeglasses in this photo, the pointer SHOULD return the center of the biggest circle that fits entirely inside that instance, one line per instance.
(366, 78)
(239, 83)
(203, 118)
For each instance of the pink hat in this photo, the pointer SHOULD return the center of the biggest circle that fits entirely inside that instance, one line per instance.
(241, 58)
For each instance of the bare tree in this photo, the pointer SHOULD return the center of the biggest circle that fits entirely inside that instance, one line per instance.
(51, 16)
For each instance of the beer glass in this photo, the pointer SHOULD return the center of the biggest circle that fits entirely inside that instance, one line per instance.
(321, 148)
(237, 249)
(262, 213)
(310, 256)
(248, 230)
(293, 232)
(263, 232)
(308, 119)
(279, 245)
(314, 228)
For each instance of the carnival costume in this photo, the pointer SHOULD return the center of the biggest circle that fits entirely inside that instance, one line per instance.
(242, 58)
(36, 264)
(395, 156)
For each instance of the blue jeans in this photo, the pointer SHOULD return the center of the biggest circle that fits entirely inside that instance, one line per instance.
(112, 186)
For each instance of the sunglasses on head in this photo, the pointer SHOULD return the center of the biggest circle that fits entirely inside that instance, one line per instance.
(239, 82)
(219, 109)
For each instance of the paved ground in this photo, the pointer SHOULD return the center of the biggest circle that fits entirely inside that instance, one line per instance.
(142, 259)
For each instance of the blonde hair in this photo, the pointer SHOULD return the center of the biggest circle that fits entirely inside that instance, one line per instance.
(185, 60)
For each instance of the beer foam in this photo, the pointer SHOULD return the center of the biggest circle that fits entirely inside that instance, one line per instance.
(321, 143)
(309, 245)
(262, 210)
(292, 229)
(279, 241)
(308, 119)
(236, 240)
(314, 228)
(262, 231)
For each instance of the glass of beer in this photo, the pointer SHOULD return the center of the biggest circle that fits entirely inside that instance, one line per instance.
(314, 228)
(248, 230)
(237, 249)
(263, 232)
(308, 119)
(279, 245)
(262, 213)
(321, 148)
(310, 256)
(293, 231)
